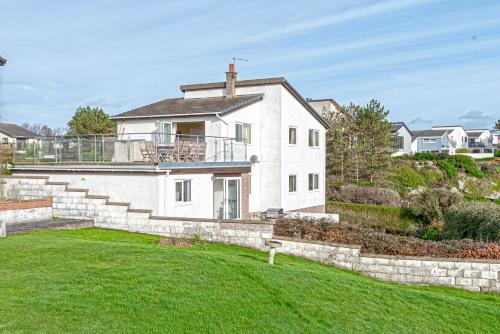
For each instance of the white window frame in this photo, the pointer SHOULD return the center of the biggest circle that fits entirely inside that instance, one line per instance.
(242, 139)
(314, 186)
(294, 191)
(167, 139)
(315, 138)
(289, 137)
(183, 183)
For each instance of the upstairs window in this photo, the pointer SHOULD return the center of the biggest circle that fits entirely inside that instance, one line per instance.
(313, 138)
(243, 133)
(183, 191)
(292, 135)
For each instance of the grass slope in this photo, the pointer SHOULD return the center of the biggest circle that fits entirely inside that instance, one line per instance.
(107, 281)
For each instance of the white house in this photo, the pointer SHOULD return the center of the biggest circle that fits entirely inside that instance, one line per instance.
(480, 139)
(456, 134)
(324, 105)
(431, 141)
(15, 136)
(402, 138)
(226, 150)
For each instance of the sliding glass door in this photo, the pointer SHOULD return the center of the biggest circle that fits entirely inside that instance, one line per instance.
(227, 198)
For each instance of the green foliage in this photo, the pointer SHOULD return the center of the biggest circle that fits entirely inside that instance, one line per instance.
(405, 178)
(462, 150)
(88, 120)
(358, 143)
(427, 156)
(199, 242)
(429, 205)
(497, 153)
(475, 220)
(465, 163)
(97, 281)
(432, 176)
(433, 232)
(449, 168)
(5, 171)
(398, 220)
(32, 151)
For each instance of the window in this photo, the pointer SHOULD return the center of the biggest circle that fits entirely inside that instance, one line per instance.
(313, 138)
(429, 140)
(292, 183)
(398, 142)
(243, 133)
(5, 140)
(313, 181)
(292, 136)
(168, 134)
(183, 191)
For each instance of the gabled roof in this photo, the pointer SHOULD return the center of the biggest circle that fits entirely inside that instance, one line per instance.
(189, 107)
(399, 125)
(3, 61)
(15, 131)
(260, 82)
(428, 133)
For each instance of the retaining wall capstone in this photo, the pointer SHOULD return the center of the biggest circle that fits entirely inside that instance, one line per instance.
(19, 211)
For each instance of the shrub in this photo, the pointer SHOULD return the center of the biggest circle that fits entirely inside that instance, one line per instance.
(404, 178)
(490, 251)
(393, 220)
(448, 168)
(366, 195)
(462, 150)
(497, 154)
(428, 206)
(375, 242)
(425, 156)
(465, 163)
(433, 232)
(475, 220)
(433, 176)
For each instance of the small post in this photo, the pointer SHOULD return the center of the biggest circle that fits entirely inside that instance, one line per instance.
(3, 230)
(79, 148)
(272, 249)
(95, 148)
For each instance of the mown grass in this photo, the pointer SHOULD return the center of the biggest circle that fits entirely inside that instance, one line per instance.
(99, 281)
(374, 216)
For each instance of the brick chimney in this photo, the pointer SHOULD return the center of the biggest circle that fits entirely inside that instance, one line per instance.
(231, 78)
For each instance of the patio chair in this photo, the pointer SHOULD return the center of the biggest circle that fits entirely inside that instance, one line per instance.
(148, 152)
(197, 151)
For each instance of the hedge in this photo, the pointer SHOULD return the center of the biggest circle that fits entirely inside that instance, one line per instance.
(474, 220)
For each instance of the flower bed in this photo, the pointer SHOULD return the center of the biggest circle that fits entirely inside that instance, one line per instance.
(375, 242)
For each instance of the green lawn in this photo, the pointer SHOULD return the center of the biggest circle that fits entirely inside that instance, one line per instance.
(99, 281)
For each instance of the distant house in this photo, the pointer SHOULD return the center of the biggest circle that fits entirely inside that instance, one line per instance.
(431, 141)
(456, 134)
(322, 105)
(480, 139)
(14, 135)
(3, 61)
(402, 138)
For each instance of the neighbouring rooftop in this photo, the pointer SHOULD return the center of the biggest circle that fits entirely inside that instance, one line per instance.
(15, 131)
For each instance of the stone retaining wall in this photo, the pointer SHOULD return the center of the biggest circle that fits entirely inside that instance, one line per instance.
(77, 204)
(20, 211)
(473, 275)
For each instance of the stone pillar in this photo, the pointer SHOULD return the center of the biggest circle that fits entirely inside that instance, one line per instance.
(3, 230)
(245, 196)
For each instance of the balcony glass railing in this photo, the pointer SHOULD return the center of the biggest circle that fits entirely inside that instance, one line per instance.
(148, 148)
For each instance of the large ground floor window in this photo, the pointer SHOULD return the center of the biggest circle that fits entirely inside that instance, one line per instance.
(227, 198)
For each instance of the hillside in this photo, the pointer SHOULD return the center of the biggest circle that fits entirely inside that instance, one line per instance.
(107, 281)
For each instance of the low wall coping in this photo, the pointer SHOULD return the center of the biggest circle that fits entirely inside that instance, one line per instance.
(211, 220)
(12, 205)
(430, 258)
(316, 242)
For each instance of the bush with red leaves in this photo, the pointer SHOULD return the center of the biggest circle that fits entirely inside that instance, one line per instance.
(490, 251)
(377, 242)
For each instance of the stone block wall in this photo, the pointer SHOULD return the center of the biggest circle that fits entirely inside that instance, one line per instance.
(473, 275)
(77, 204)
(15, 211)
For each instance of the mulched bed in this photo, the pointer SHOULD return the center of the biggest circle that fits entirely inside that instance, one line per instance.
(376, 242)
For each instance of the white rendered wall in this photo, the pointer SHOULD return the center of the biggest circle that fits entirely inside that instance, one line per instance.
(201, 205)
(300, 159)
(407, 139)
(140, 190)
(10, 140)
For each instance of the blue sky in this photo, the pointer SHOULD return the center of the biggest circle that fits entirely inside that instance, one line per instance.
(429, 62)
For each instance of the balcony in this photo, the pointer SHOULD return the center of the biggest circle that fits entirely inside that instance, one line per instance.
(130, 148)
